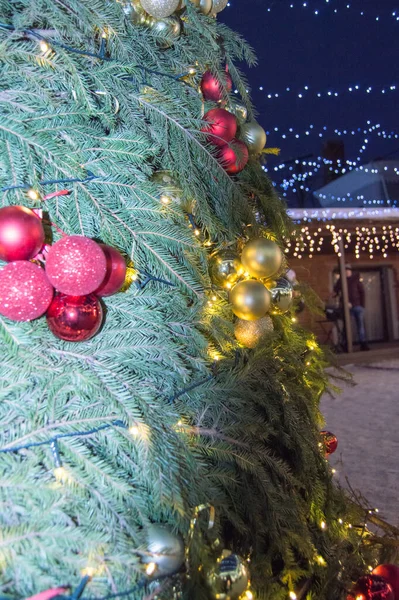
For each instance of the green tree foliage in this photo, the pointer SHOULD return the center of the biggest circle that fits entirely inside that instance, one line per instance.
(245, 439)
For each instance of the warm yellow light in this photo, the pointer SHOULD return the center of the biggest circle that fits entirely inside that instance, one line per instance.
(33, 194)
(228, 285)
(134, 430)
(294, 319)
(192, 71)
(249, 595)
(165, 199)
(340, 521)
(150, 568)
(196, 232)
(44, 47)
(88, 572)
(323, 525)
(333, 471)
(320, 560)
(214, 298)
(370, 568)
(292, 595)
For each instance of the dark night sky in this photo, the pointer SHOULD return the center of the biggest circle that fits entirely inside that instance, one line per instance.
(328, 51)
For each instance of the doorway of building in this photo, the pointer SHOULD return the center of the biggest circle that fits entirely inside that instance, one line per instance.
(381, 315)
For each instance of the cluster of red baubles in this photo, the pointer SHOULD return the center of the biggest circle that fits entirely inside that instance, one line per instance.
(77, 268)
(221, 125)
(381, 584)
(329, 441)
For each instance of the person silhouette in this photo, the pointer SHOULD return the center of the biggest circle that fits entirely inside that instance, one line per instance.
(357, 302)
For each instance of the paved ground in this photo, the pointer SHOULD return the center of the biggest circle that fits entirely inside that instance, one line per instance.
(365, 418)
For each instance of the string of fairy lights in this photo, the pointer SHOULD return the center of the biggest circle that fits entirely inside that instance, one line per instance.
(332, 7)
(307, 91)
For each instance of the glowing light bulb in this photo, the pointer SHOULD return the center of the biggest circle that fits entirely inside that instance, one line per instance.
(33, 194)
(196, 232)
(44, 47)
(292, 595)
(323, 525)
(150, 568)
(165, 199)
(249, 595)
(134, 430)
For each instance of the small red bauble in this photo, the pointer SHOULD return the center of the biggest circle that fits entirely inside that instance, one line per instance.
(25, 292)
(74, 318)
(212, 88)
(221, 127)
(21, 233)
(233, 157)
(76, 265)
(116, 272)
(391, 574)
(371, 587)
(329, 441)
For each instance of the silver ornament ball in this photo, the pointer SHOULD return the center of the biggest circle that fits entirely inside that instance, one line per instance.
(254, 136)
(168, 188)
(160, 8)
(166, 550)
(282, 295)
(229, 579)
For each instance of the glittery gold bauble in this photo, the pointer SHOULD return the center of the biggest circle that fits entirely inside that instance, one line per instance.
(254, 136)
(249, 333)
(160, 8)
(261, 257)
(240, 111)
(218, 5)
(229, 578)
(250, 300)
(169, 189)
(282, 295)
(204, 6)
(225, 268)
(167, 28)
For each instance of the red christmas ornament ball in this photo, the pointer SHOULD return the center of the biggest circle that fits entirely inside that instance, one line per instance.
(76, 265)
(371, 587)
(233, 157)
(74, 318)
(329, 441)
(391, 574)
(116, 272)
(221, 126)
(212, 88)
(25, 292)
(21, 233)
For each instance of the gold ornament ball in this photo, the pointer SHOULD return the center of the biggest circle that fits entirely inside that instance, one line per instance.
(250, 300)
(254, 137)
(262, 258)
(136, 13)
(160, 8)
(250, 333)
(229, 578)
(282, 295)
(240, 111)
(167, 28)
(218, 5)
(225, 268)
(204, 6)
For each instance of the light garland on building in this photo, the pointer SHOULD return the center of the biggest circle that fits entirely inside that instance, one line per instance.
(376, 240)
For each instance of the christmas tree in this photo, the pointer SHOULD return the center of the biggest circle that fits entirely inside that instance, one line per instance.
(159, 404)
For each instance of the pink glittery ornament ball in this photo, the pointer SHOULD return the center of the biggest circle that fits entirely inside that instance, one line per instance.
(76, 265)
(25, 292)
(74, 318)
(116, 272)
